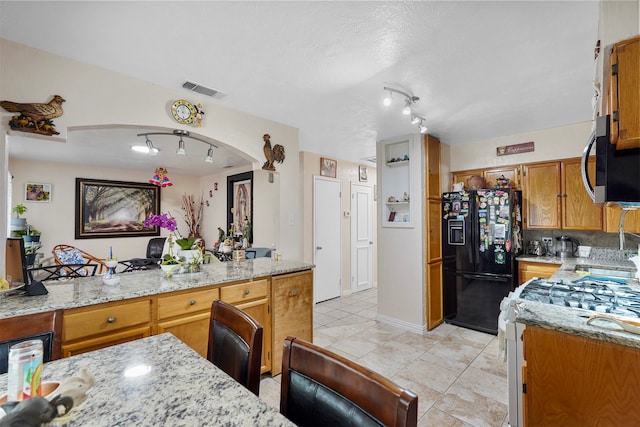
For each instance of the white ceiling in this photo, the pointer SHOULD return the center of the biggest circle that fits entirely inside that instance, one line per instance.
(481, 69)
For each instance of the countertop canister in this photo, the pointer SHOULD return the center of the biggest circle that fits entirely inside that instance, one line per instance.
(25, 370)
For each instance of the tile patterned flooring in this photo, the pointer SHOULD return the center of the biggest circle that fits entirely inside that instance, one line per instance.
(456, 372)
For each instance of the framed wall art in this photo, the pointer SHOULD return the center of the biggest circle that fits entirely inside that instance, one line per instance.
(115, 208)
(35, 192)
(362, 173)
(240, 205)
(328, 167)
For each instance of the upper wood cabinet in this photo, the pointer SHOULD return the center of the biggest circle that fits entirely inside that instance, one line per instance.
(512, 173)
(556, 199)
(623, 93)
(612, 220)
(433, 226)
(579, 212)
(542, 195)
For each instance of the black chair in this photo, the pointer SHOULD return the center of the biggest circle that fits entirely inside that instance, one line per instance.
(61, 271)
(43, 326)
(320, 388)
(154, 255)
(235, 344)
(257, 253)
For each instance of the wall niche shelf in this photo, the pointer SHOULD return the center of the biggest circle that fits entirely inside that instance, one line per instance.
(395, 184)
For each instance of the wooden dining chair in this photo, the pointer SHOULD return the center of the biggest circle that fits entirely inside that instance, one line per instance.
(319, 387)
(43, 326)
(67, 254)
(235, 344)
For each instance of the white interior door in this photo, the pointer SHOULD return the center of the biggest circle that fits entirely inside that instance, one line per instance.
(361, 237)
(326, 237)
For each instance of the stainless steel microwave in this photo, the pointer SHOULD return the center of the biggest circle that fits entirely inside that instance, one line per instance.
(617, 171)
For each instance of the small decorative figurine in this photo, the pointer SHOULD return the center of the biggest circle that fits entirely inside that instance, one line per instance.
(275, 154)
(160, 178)
(35, 117)
(199, 115)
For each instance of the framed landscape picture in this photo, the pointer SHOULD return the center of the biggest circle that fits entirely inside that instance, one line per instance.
(115, 208)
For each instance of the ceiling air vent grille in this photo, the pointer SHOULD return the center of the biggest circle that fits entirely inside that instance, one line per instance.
(195, 87)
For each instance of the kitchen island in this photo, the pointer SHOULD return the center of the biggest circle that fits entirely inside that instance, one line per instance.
(278, 294)
(158, 381)
(570, 372)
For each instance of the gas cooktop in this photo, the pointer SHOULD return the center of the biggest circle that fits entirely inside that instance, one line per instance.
(599, 296)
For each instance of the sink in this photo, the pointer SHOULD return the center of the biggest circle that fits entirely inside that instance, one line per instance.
(605, 272)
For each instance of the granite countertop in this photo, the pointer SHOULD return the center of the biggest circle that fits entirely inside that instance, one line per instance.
(80, 292)
(176, 387)
(573, 320)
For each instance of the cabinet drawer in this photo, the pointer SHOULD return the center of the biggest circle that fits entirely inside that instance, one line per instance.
(104, 319)
(191, 302)
(241, 292)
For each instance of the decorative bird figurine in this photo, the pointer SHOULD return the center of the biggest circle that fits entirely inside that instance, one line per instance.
(275, 154)
(36, 116)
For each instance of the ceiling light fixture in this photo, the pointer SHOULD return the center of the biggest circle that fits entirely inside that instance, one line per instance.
(388, 99)
(415, 119)
(152, 151)
(408, 99)
(209, 158)
(147, 149)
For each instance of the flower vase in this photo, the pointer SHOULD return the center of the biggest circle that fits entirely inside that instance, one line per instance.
(189, 255)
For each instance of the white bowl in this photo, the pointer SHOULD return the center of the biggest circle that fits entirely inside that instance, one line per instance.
(110, 279)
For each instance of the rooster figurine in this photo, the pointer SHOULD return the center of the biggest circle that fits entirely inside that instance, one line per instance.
(35, 117)
(275, 154)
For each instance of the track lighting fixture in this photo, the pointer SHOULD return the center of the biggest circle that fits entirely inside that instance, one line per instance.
(409, 100)
(149, 149)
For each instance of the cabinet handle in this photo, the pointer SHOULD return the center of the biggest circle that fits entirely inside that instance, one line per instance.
(192, 302)
(294, 292)
(246, 291)
(111, 319)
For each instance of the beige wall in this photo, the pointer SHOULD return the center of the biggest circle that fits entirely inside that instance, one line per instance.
(347, 172)
(95, 97)
(554, 143)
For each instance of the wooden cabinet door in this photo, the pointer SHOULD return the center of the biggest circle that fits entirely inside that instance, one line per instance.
(432, 161)
(577, 381)
(625, 93)
(529, 270)
(631, 220)
(253, 298)
(542, 195)
(292, 296)
(434, 304)
(434, 230)
(579, 212)
(512, 173)
(463, 176)
(193, 330)
(107, 340)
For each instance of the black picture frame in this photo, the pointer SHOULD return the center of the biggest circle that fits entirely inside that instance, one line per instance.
(240, 202)
(113, 209)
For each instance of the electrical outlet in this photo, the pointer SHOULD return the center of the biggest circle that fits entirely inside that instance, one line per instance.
(547, 240)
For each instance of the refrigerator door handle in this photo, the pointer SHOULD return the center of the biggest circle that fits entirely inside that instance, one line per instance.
(486, 277)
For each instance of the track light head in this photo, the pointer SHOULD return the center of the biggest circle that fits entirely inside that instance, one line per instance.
(181, 151)
(388, 99)
(407, 108)
(415, 119)
(209, 158)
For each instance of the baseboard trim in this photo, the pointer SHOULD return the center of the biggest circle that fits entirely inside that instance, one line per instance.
(418, 329)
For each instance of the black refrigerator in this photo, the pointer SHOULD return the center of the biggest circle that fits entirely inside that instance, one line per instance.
(481, 239)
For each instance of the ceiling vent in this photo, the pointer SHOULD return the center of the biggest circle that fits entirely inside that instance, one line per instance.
(195, 87)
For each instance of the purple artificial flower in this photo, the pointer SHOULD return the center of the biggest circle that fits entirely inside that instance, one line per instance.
(162, 221)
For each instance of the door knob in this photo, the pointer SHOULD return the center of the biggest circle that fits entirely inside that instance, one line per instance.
(318, 247)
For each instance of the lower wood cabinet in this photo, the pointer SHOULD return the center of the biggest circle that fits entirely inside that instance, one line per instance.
(94, 327)
(282, 304)
(254, 299)
(186, 315)
(576, 381)
(292, 311)
(528, 270)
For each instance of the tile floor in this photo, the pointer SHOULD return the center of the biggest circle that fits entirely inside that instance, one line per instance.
(456, 372)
